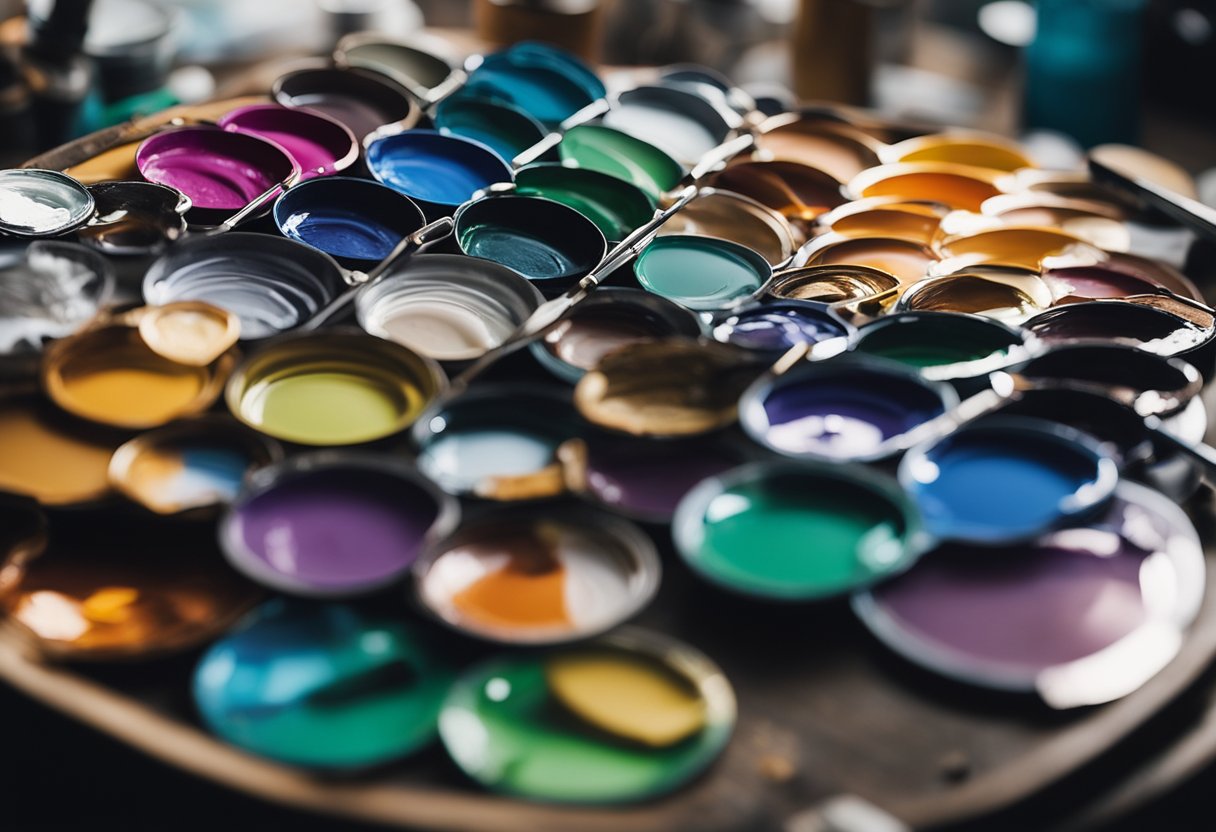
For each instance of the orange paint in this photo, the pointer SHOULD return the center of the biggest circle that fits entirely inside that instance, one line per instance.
(529, 591)
(40, 459)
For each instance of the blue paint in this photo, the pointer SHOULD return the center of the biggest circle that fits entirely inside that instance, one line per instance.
(777, 327)
(1005, 481)
(357, 221)
(549, 84)
(437, 171)
(222, 469)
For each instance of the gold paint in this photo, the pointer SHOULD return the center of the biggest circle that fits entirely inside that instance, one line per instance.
(915, 226)
(1008, 296)
(737, 218)
(958, 186)
(41, 459)
(114, 165)
(832, 284)
(1025, 248)
(979, 150)
(189, 332)
(799, 193)
(902, 259)
(668, 387)
(631, 697)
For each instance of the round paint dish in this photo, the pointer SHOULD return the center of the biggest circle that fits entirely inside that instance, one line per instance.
(438, 172)
(49, 458)
(738, 218)
(701, 273)
(960, 186)
(1005, 479)
(677, 121)
(539, 577)
(607, 320)
(602, 149)
(844, 409)
(1007, 294)
(773, 328)
(104, 594)
(356, 98)
(220, 171)
(449, 307)
(1146, 327)
(799, 193)
(505, 129)
(498, 442)
(906, 260)
(645, 480)
(945, 346)
(412, 66)
(838, 149)
(615, 205)
(135, 218)
(320, 145)
(798, 531)
(42, 203)
(272, 284)
(1081, 616)
(1139, 378)
(325, 686)
(332, 388)
(333, 525)
(355, 221)
(547, 242)
(48, 289)
(550, 84)
(111, 377)
(831, 284)
(189, 465)
(627, 717)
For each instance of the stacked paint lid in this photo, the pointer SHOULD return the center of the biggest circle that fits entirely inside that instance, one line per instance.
(914, 371)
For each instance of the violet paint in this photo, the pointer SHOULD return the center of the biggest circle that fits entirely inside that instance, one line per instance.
(334, 530)
(648, 479)
(318, 143)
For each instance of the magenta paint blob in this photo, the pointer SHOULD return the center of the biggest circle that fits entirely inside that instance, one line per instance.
(319, 144)
(333, 530)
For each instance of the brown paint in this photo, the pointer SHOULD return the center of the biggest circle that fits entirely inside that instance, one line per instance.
(903, 259)
(586, 337)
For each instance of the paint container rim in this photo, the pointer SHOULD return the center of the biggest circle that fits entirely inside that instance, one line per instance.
(76, 217)
(686, 523)
(643, 203)
(367, 37)
(795, 276)
(754, 420)
(1063, 437)
(587, 519)
(182, 205)
(477, 274)
(721, 328)
(266, 451)
(1183, 543)
(1037, 292)
(780, 227)
(817, 247)
(313, 463)
(93, 341)
(281, 214)
(1022, 345)
(675, 169)
(229, 120)
(376, 147)
(411, 116)
(283, 353)
(423, 433)
(683, 320)
(719, 122)
(1120, 306)
(759, 266)
(675, 656)
(574, 218)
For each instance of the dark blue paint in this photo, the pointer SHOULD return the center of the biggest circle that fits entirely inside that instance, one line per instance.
(438, 172)
(778, 327)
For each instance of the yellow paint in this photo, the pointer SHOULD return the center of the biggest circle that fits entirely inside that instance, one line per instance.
(631, 697)
(41, 461)
(951, 189)
(341, 407)
(110, 605)
(113, 165)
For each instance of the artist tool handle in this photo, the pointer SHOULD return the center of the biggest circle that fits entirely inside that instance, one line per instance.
(592, 111)
(1188, 212)
(718, 156)
(1203, 454)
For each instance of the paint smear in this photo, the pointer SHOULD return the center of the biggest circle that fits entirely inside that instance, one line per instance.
(582, 339)
(460, 460)
(529, 589)
(40, 460)
(172, 479)
(44, 296)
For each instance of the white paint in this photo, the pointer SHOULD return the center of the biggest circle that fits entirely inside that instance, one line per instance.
(44, 297)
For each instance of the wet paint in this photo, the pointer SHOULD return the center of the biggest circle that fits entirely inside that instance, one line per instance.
(903, 259)
(42, 203)
(461, 462)
(531, 746)
(549, 84)
(583, 340)
(437, 171)
(355, 221)
(616, 206)
(506, 130)
(831, 284)
(1045, 475)
(1006, 294)
(737, 218)
(48, 460)
(188, 332)
(544, 578)
(319, 144)
(1097, 282)
(417, 70)
(900, 223)
(1020, 614)
(961, 148)
(1146, 327)
(960, 187)
(797, 531)
(325, 686)
(943, 345)
(1024, 248)
(836, 149)
(48, 289)
(448, 307)
(356, 98)
(840, 410)
(700, 273)
(774, 328)
(332, 389)
(799, 193)
(331, 529)
(217, 169)
(599, 148)
(678, 122)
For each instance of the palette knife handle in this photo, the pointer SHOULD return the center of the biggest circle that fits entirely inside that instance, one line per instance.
(254, 205)
(1184, 210)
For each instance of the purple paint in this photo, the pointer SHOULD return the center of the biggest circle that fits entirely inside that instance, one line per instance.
(777, 328)
(332, 530)
(1097, 282)
(216, 168)
(319, 144)
(842, 415)
(1032, 606)
(647, 479)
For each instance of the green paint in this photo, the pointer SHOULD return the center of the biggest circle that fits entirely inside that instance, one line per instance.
(614, 205)
(934, 343)
(506, 130)
(534, 257)
(322, 685)
(618, 154)
(700, 272)
(797, 535)
(331, 406)
(503, 727)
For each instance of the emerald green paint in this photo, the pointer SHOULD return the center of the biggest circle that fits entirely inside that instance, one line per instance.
(618, 154)
(796, 534)
(933, 342)
(502, 726)
(615, 206)
(700, 272)
(322, 685)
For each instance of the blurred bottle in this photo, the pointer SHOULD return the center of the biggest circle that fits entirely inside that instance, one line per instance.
(572, 25)
(56, 71)
(1083, 70)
